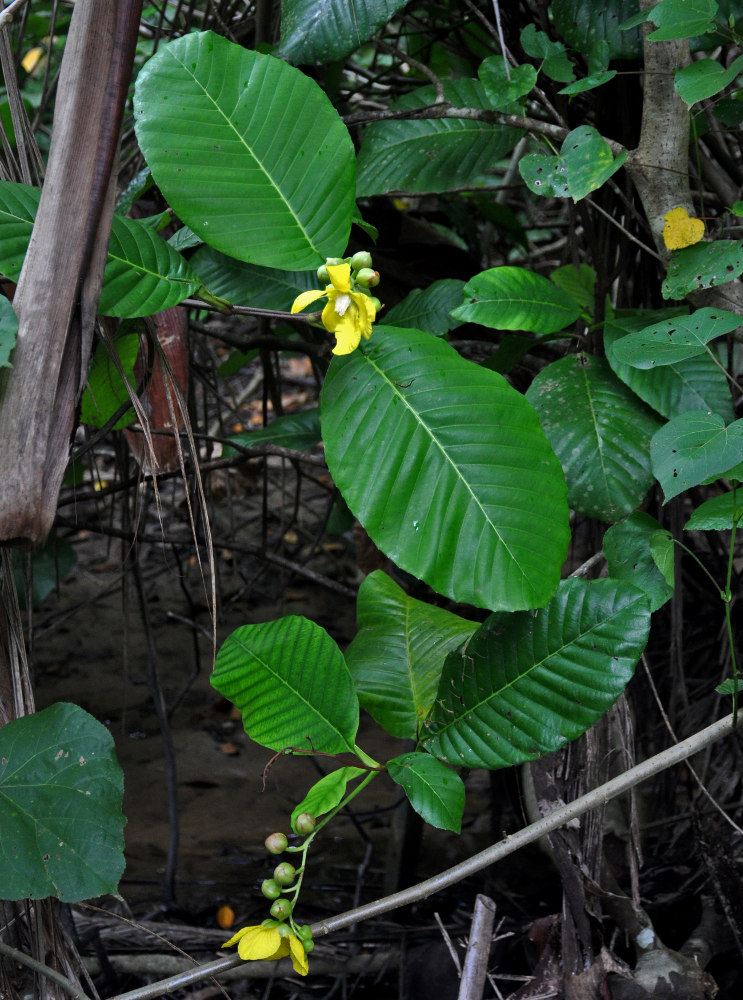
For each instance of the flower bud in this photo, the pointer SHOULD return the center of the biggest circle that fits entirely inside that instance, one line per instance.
(376, 302)
(362, 259)
(270, 888)
(367, 278)
(304, 933)
(308, 945)
(334, 261)
(304, 823)
(283, 874)
(281, 909)
(276, 843)
(284, 930)
(322, 275)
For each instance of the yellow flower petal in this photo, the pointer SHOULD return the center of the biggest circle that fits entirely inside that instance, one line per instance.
(298, 955)
(681, 230)
(258, 942)
(340, 275)
(305, 298)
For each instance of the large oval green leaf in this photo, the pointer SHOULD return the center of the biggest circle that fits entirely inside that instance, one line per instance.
(60, 801)
(143, 273)
(692, 384)
(249, 284)
(600, 431)
(398, 654)
(429, 308)
(291, 684)
(436, 154)
(248, 151)
(584, 25)
(703, 266)
(527, 683)
(328, 32)
(674, 339)
(447, 468)
(512, 298)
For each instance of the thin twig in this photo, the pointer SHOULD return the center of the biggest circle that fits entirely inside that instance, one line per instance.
(529, 835)
(10, 11)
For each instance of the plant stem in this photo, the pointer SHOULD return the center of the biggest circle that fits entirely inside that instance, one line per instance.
(43, 970)
(530, 834)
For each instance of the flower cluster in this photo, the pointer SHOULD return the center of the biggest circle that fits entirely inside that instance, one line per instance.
(280, 936)
(351, 309)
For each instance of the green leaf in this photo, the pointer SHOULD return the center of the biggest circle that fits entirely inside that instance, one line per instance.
(600, 432)
(9, 331)
(705, 78)
(694, 384)
(327, 32)
(249, 152)
(436, 154)
(584, 24)
(693, 447)
(291, 684)
(429, 308)
(60, 799)
(728, 686)
(446, 467)
(502, 86)
(326, 793)
(397, 656)
(661, 550)
(527, 683)
(48, 566)
(143, 274)
(579, 283)
(681, 19)
(248, 284)
(512, 298)
(718, 513)
(588, 83)
(434, 790)
(588, 161)
(106, 390)
(628, 556)
(545, 175)
(703, 266)
(584, 164)
(294, 430)
(675, 339)
(555, 62)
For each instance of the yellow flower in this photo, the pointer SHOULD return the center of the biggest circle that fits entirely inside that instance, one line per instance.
(349, 315)
(254, 943)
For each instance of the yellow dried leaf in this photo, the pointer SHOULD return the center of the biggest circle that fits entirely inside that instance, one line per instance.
(681, 230)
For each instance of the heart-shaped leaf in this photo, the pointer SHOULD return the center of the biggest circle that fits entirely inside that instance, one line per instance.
(61, 787)
(692, 448)
(675, 339)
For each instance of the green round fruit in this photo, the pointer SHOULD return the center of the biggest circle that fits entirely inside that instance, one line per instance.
(270, 888)
(276, 843)
(284, 874)
(361, 259)
(304, 823)
(281, 909)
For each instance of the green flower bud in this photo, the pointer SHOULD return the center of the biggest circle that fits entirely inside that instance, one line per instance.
(281, 909)
(377, 303)
(270, 888)
(276, 843)
(322, 275)
(367, 278)
(308, 945)
(283, 874)
(270, 924)
(334, 261)
(284, 930)
(361, 259)
(304, 823)
(304, 933)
